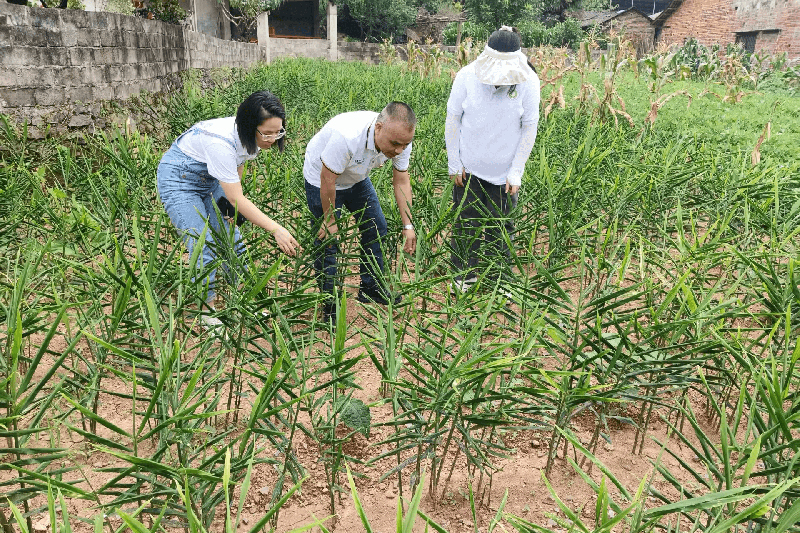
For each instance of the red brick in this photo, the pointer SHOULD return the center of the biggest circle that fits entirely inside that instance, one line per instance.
(717, 22)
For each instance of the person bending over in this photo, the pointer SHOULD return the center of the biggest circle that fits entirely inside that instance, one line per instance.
(337, 166)
(203, 168)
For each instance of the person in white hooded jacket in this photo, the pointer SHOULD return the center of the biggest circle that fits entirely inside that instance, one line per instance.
(490, 130)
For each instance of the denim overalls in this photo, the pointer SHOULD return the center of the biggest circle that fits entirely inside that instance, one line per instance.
(189, 194)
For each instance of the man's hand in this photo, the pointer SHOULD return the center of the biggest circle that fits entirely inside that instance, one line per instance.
(286, 242)
(327, 229)
(459, 179)
(409, 241)
(511, 189)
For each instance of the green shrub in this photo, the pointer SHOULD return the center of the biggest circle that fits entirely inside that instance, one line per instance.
(470, 29)
(167, 10)
(124, 7)
(377, 20)
(567, 33)
(532, 32)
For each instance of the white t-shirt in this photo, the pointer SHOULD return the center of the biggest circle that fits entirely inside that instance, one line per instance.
(216, 143)
(346, 145)
(497, 127)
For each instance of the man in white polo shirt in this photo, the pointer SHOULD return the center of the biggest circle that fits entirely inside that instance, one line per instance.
(336, 170)
(490, 130)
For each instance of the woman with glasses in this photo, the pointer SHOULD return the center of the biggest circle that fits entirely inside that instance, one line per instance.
(203, 169)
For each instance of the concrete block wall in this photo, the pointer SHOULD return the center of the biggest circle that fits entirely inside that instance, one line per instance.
(50, 58)
(285, 47)
(206, 51)
(356, 51)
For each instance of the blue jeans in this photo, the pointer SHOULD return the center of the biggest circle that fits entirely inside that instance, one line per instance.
(189, 194)
(361, 200)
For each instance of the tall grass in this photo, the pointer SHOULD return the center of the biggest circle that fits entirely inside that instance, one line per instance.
(652, 266)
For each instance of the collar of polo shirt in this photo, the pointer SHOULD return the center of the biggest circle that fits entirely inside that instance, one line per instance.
(370, 143)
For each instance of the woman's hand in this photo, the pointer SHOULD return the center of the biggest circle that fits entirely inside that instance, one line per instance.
(286, 242)
(511, 189)
(459, 179)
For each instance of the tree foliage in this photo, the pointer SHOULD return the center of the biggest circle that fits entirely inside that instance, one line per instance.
(251, 8)
(491, 14)
(167, 10)
(378, 19)
(495, 13)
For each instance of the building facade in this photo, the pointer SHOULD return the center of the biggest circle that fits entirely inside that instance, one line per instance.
(759, 25)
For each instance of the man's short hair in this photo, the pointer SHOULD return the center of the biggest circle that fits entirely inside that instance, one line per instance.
(398, 111)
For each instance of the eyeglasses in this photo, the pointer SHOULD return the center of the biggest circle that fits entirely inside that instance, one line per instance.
(272, 136)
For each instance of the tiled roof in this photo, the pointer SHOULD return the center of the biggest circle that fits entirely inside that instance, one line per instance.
(589, 18)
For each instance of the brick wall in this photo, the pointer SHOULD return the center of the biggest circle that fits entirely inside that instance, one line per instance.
(50, 58)
(709, 21)
(637, 28)
(788, 20)
(718, 21)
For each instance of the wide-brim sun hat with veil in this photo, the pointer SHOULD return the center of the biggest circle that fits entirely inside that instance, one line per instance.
(502, 61)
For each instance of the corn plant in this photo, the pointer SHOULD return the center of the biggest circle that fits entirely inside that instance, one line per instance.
(660, 76)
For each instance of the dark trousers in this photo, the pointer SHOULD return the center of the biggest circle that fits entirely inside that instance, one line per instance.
(482, 218)
(362, 200)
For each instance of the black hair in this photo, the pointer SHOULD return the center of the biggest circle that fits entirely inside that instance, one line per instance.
(507, 41)
(257, 108)
(504, 41)
(399, 111)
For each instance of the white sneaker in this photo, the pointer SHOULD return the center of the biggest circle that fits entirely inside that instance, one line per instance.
(211, 323)
(462, 285)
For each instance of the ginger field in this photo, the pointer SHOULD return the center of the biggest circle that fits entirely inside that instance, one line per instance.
(642, 375)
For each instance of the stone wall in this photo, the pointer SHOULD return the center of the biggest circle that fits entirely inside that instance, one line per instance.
(356, 51)
(718, 22)
(50, 58)
(371, 52)
(431, 26)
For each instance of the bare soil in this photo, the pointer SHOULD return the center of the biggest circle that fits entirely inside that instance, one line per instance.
(520, 475)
